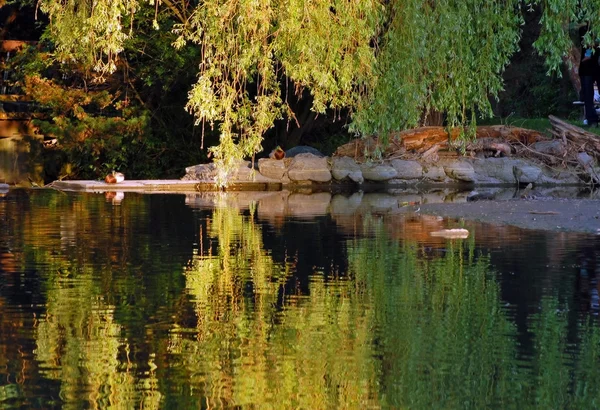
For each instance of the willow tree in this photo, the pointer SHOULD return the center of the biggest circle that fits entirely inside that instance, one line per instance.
(389, 63)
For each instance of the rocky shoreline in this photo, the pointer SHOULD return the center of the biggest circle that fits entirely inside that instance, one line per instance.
(307, 169)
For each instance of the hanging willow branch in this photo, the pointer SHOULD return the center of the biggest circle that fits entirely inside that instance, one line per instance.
(390, 63)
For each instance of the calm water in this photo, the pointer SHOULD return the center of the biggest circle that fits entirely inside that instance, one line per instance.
(168, 301)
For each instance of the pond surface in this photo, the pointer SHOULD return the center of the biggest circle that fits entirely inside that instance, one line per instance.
(168, 301)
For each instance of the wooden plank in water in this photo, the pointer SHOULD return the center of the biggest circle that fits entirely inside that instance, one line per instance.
(162, 185)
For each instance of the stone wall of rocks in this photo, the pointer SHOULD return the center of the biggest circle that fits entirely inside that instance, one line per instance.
(307, 168)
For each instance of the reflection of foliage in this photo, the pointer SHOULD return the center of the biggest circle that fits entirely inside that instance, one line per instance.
(314, 352)
(396, 330)
(86, 339)
(438, 327)
(444, 339)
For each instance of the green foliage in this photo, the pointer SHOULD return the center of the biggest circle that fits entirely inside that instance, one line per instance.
(443, 56)
(144, 131)
(90, 127)
(88, 32)
(323, 46)
(391, 64)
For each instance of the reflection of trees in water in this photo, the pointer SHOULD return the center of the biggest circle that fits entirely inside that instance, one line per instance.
(375, 323)
(394, 330)
(311, 350)
(94, 275)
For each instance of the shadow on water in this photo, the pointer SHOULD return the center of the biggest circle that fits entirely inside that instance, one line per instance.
(222, 300)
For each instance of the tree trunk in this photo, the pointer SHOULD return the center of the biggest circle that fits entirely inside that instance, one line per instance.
(571, 61)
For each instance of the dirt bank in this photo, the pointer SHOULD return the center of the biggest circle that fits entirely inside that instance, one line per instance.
(575, 215)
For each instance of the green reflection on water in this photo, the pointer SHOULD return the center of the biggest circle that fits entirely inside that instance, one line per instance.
(397, 329)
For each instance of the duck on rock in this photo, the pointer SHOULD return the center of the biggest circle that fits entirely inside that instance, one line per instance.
(277, 153)
(114, 178)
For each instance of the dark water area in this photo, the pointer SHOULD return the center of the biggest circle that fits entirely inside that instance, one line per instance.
(167, 301)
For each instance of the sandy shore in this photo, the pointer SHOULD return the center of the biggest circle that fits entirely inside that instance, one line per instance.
(576, 215)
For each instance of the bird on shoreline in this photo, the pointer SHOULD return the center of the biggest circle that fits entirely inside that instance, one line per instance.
(114, 178)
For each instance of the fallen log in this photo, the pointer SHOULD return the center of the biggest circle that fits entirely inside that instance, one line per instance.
(423, 139)
(584, 140)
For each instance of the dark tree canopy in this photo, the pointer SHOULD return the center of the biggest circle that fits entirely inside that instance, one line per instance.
(389, 63)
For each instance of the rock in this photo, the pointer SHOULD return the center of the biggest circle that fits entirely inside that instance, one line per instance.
(407, 169)
(378, 172)
(346, 167)
(271, 168)
(460, 170)
(554, 147)
(434, 173)
(589, 165)
(564, 177)
(309, 167)
(585, 160)
(495, 170)
(526, 174)
(201, 172)
(245, 173)
(303, 149)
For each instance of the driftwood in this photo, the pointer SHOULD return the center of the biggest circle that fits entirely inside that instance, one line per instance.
(569, 147)
(428, 140)
(585, 141)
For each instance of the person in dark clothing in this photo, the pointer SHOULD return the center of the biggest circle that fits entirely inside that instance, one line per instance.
(589, 73)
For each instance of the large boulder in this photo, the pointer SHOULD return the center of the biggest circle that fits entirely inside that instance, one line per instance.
(272, 168)
(434, 173)
(407, 169)
(346, 167)
(555, 147)
(245, 173)
(201, 172)
(525, 174)
(378, 172)
(460, 170)
(507, 171)
(496, 170)
(309, 167)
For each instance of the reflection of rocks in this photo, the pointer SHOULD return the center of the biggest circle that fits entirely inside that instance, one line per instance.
(343, 205)
(294, 204)
(302, 205)
(380, 202)
(306, 168)
(348, 210)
